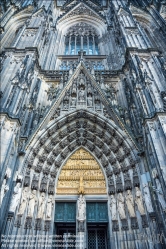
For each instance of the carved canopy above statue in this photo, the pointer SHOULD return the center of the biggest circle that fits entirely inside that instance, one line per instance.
(81, 175)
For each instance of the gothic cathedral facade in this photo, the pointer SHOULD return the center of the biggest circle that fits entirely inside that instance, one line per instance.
(83, 124)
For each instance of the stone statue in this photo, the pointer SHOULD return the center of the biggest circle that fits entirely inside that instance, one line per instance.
(121, 208)
(138, 201)
(81, 208)
(49, 207)
(160, 194)
(8, 173)
(41, 206)
(81, 95)
(147, 198)
(113, 207)
(4, 189)
(32, 203)
(23, 201)
(130, 203)
(15, 197)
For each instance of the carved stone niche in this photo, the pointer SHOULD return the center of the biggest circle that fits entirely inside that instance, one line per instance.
(120, 157)
(106, 150)
(135, 178)
(126, 150)
(99, 133)
(115, 226)
(56, 151)
(47, 225)
(54, 141)
(144, 221)
(28, 223)
(35, 151)
(72, 137)
(27, 178)
(50, 160)
(134, 223)
(30, 162)
(71, 147)
(35, 182)
(84, 141)
(65, 153)
(43, 184)
(127, 181)
(108, 171)
(84, 124)
(63, 133)
(110, 131)
(38, 168)
(102, 124)
(119, 140)
(107, 140)
(91, 137)
(119, 185)
(98, 153)
(124, 167)
(111, 185)
(112, 160)
(78, 141)
(132, 161)
(43, 140)
(46, 170)
(104, 161)
(51, 187)
(114, 148)
(124, 225)
(38, 224)
(90, 146)
(91, 128)
(18, 221)
(42, 158)
(116, 169)
(99, 143)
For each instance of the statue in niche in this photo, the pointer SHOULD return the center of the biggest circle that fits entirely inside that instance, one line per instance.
(23, 201)
(90, 101)
(15, 197)
(32, 203)
(160, 194)
(138, 201)
(147, 198)
(81, 208)
(73, 101)
(130, 203)
(49, 207)
(81, 94)
(113, 207)
(4, 189)
(81, 187)
(41, 206)
(121, 207)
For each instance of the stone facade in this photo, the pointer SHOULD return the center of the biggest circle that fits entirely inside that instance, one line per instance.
(88, 77)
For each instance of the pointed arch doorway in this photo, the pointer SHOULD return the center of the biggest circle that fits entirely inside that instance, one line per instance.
(82, 175)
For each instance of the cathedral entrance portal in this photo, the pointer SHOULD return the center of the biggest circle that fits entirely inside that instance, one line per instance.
(81, 185)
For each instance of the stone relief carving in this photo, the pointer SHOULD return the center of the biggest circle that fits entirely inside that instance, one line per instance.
(113, 207)
(81, 208)
(32, 203)
(15, 197)
(41, 206)
(147, 198)
(121, 206)
(5, 186)
(130, 203)
(24, 200)
(138, 201)
(49, 207)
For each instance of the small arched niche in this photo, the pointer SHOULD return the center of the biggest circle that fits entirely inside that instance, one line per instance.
(81, 175)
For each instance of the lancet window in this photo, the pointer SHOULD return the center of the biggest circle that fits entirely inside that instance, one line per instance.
(81, 37)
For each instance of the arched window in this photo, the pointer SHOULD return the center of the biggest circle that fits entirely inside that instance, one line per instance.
(81, 37)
